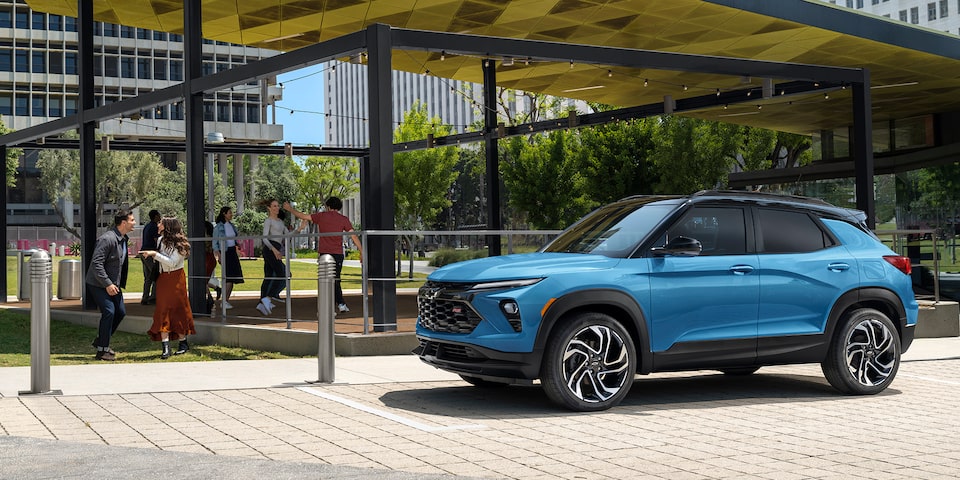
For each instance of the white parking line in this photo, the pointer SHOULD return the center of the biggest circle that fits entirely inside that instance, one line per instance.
(389, 416)
(929, 379)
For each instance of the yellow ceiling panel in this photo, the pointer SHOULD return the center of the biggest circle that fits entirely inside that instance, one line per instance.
(687, 26)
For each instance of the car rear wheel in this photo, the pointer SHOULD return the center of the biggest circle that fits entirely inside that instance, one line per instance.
(864, 355)
(589, 364)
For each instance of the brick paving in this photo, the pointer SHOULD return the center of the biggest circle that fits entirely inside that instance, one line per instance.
(781, 423)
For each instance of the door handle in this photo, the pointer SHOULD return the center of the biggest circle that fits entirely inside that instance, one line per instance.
(741, 269)
(838, 267)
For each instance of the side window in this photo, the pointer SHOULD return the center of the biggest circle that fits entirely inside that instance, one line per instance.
(721, 231)
(784, 231)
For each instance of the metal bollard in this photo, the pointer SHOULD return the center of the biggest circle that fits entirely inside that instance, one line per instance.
(41, 273)
(326, 350)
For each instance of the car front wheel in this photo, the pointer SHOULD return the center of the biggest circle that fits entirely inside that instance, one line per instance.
(864, 355)
(589, 363)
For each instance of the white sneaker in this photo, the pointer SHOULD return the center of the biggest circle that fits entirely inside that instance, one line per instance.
(266, 301)
(226, 305)
(263, 309)
(342, 308)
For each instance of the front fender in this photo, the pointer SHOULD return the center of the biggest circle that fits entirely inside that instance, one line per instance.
(615, 303)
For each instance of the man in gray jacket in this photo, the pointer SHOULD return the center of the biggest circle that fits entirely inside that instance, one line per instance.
(105, 277)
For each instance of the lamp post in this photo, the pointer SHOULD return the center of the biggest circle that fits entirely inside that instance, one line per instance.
(212, 137)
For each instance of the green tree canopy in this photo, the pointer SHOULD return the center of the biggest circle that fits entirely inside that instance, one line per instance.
(13, 158)
(124, 179)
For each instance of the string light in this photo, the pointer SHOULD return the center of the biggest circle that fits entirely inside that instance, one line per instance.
(571, 63)
(609, 73)
(646, 82)
(718, 92)
(443, 55)
(684, 88)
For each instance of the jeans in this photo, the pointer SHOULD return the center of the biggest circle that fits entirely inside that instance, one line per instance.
(112, 312)
(337, 291)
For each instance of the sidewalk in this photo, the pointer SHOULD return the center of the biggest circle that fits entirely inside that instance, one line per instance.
(120, 378)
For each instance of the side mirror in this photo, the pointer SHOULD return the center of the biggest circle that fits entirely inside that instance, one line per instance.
(679, 247)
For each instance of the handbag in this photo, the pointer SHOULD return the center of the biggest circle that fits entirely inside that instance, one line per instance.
(214, 281)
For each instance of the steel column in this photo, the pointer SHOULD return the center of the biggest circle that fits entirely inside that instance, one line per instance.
(193, 118)
(376, 182)
(88, 169)
(492, 153)
(862, 148)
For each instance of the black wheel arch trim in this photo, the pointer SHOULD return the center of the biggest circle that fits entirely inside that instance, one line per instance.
(616, 303)
(868, 295)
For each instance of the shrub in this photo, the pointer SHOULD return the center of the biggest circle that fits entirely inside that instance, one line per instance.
(446, 256)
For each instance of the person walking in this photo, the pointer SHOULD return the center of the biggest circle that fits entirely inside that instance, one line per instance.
(225, 251)
(148, 241)
(274, 271)
(172, 318)
(106, 277)
(331, 221)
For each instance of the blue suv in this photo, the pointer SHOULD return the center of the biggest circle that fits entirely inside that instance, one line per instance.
(727, 281)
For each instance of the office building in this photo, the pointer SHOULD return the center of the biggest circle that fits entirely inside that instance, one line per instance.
(39, 82)
(943, 15)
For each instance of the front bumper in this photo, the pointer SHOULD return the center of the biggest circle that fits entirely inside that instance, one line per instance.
(471, 360)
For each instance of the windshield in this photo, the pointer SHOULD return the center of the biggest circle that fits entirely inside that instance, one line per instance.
(613, 230)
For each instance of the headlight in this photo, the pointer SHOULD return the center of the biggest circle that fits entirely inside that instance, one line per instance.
(504, 284)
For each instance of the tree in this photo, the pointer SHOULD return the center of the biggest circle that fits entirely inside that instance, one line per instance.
(613, 160)
(422, 178)
(545, 182)
(124, 179)
(323, 177)
(13, 158)
(169, 196)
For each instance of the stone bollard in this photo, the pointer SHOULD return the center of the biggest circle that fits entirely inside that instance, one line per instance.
(326, 350)
(41, 273)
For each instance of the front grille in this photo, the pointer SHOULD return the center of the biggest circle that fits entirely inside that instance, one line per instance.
(444, 307)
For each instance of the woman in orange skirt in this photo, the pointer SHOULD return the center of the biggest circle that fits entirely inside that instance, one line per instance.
(172, 317)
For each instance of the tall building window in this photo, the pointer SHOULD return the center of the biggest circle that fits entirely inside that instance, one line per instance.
(223, 112)
(55, 62)
(6, 19)
(931, 11)
(55, 22)
(111, 66)
(160, 112)
(176, 70)
(23, 61)
(143, 34)
(143, 68)
(160, 36)
(253, 113)
(903, 15)
(944, 9)
(159, 69)
(176, 111)
(915, 15)
(859, 3)
(39, 62)
(208, 112)
(39, 23)
(23, 21)
(109, 30)
(22, 106)
(127, 32)
(55, 110)
(70, 24)
(176, 38)
(39, 106)
(238, 112)
(70, 63)
(71, 106)
(6, 104)
(128, 67)
(6, 60)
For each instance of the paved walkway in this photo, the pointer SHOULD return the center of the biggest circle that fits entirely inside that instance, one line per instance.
(394, 417)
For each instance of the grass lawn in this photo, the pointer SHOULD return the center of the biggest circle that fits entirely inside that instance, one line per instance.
(303, 275)
(70, 345)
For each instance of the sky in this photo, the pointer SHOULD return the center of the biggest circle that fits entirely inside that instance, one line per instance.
(302, 94)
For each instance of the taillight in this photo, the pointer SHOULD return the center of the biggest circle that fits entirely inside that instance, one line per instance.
(901, 263)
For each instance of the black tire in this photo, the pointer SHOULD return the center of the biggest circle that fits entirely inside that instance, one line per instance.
(739, 371)
(864, 355)
(589, 363)
(481, 383)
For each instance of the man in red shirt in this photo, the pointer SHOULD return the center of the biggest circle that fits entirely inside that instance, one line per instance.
(331, 221)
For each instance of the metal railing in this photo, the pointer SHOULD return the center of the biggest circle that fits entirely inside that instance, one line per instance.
(512, 240)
